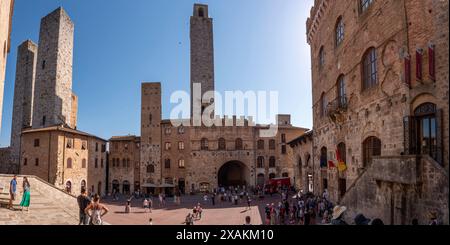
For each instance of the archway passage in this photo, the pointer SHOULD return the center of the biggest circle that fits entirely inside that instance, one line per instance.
(233, 173)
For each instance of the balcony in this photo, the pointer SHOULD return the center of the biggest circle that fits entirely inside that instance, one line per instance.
(337, 108)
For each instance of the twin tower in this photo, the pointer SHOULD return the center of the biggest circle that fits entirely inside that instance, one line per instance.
(43, 87)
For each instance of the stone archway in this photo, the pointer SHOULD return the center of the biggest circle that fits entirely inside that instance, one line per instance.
(233, 173)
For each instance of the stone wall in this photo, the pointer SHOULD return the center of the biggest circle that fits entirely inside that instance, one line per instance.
(124, 153)
(411, 188)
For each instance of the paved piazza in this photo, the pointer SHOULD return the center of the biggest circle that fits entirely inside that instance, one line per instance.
(223, 213)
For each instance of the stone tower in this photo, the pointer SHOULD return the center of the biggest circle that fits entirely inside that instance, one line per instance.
(6, 13)
(151, 133)
(53, 88)
(202, 56)
(23, 95)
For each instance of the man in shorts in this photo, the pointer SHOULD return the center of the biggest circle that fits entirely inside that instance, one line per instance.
(12, 191)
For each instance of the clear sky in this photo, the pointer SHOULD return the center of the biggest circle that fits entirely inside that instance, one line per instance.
(259, 45)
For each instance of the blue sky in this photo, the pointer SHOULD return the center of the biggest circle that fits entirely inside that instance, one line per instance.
(259, 45)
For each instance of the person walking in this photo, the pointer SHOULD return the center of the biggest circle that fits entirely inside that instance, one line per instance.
(249, 203)
(146, 205)
(25, 203)
(98, 211)
(12, 191)
(83, 202)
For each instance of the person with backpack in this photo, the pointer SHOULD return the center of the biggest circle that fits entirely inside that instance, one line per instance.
(96, 216)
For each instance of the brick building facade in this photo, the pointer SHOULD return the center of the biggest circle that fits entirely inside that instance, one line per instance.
(380, 94)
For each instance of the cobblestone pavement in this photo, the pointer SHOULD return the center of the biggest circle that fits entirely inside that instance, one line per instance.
(223, 213)
(42, 212)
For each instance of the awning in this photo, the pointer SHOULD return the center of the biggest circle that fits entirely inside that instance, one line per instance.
(149, 185)
(167, 186)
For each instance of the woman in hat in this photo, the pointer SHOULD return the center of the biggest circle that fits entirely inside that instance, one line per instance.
(338, 215)
(433, 218)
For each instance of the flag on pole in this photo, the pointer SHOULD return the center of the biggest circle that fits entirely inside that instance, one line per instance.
(342, 166)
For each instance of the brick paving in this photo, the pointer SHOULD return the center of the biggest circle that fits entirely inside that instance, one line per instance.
(221, 214)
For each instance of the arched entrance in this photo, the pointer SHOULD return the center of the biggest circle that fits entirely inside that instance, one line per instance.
(261, 180)
(233, 173)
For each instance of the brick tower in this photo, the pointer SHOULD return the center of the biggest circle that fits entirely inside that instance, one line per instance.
(202, 56)
(23, 95)
(53, 88)
(151, 133)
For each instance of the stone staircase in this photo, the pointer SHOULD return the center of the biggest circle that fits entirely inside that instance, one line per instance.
(49, 206)
(398, 189)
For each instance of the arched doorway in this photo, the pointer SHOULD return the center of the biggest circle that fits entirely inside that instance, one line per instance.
(272, 176)
(233, 173)
(126, 187)
(182, 186)
(115, 186)
(261, 180)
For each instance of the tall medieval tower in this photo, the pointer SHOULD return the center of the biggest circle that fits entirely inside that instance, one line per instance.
(151, 116)
(53, 88)
(23, 95)
(202, 57)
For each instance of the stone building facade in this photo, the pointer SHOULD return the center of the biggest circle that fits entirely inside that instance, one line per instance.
(6, 14)
(66, 158)
(304, 167)
(380, 93)
(124, 164)
(191, 158)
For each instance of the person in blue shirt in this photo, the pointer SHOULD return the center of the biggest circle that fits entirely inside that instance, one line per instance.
(12, 191)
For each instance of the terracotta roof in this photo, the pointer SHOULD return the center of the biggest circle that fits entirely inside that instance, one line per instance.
(62, 129)
(125, 138)
(303, 137)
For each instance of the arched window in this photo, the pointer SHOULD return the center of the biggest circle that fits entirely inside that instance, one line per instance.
(323, 105)
(285, 175)
(128, 163)
(365, 4)
(181, 163)
(260, 144)
(204, 144)
(167, 163)
(260, 162)
(83, 163)
(300, 162)
(323, 157)
(69, 163)
(272, 162)
(124, 163)
(342, 98)
(342, 152)
(371, 148)
(222, 144)
(150, 169)
(339, 31)
(369, 69)
(321, 57)
(239, 144)
(272, 176)
(272, 144)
